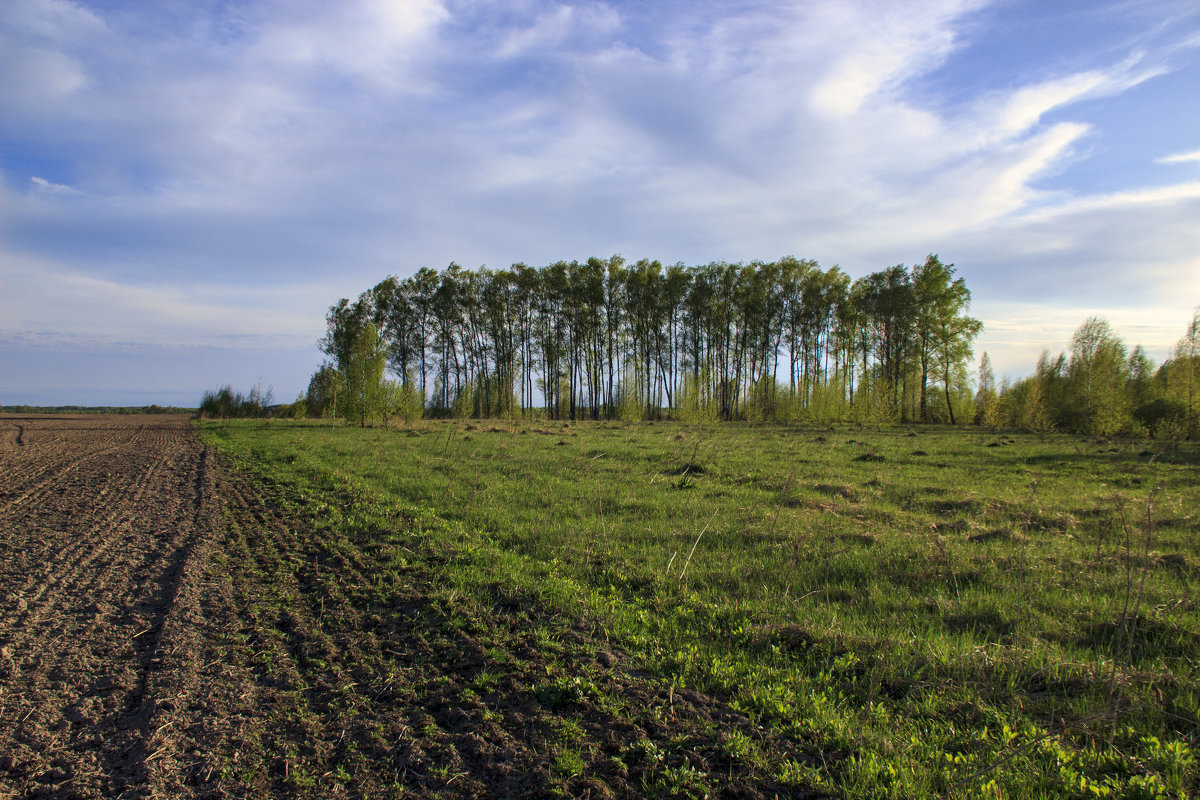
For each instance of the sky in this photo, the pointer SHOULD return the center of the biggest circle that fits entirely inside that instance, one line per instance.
(187, 185)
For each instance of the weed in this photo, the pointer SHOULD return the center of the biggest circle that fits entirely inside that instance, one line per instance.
(568, 763)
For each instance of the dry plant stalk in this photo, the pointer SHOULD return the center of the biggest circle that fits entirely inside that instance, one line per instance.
(683, 571)
(784, 493)
(1024, 559)
(1127, 626)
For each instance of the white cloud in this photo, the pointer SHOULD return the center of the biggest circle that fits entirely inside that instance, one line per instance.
(1179, 158)
(39, 86)
(53, 19)
(44, 186)
(548, 31)
(378, 40)
(1164, 195)
(1017, 332)
(876, 45)
(1131, 250)
(557, 29)
(41, 302)
(1024, 108)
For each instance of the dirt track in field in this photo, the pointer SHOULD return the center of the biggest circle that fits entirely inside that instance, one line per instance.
(167, 632)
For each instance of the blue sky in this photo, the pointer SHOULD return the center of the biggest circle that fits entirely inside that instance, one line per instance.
(186, 186)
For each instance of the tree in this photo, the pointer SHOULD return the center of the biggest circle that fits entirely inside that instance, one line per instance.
(401, 398)
(1185, 372)
(363, 375)
(944, 332)
(343, 322)
(888, 307)
(987, 402)
(591, 334)
(323, 390)
(1096, 379)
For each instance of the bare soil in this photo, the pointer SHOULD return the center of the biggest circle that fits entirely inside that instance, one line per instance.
(168, 629)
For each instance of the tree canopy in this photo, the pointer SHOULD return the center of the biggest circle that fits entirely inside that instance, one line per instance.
(604, 338)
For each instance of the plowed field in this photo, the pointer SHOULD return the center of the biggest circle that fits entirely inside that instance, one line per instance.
(165, 631)
(105, 524)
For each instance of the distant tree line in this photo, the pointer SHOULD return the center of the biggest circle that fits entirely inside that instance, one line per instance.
(153, 408)
(605, 339)
(1101, 388)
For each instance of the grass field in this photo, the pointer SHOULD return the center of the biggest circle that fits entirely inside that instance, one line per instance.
(904, 612)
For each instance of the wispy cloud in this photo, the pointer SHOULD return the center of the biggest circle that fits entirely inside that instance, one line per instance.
(879, 45)
(1017, 111)
(92, 311)
(1179, 158)
(44, 186)
(376, 40)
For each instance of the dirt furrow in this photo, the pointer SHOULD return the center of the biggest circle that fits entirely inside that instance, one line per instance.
(31, 472)
(108, 550)
(100, 574)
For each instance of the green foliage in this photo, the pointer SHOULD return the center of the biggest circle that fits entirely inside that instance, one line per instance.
(409, 402)
(227, 403)
(827, 403)
(989, 410)
(1180, 380)
(362, 372)
(323, 390)
(781, 341)
(760, 399)
(943, 330)
(1097, 374)
(1162, 418)
(296, 410)
(1027, 406)
(629, 402)
(1102, 390)
(693, 406)
(463, 406)
(879, 405)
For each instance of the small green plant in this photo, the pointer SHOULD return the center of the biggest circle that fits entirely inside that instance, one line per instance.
(563, 691)
(568, 763)
(739, 747)
(682, 781)
(645, 753)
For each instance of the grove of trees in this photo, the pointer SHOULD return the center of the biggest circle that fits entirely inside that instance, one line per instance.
(604, 339)
(1101, 388)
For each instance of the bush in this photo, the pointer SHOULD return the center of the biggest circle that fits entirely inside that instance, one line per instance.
(463, 406)
(225, 403)
(1162, 418)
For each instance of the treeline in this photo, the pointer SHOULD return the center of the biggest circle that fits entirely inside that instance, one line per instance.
(603, 339)
(1101, 388)
(153, 408)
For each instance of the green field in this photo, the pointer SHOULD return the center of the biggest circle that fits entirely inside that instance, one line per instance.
(914, 612)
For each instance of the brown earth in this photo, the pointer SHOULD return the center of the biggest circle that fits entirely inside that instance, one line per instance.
(166, 631)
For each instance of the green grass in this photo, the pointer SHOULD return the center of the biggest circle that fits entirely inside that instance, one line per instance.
(928, 610)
